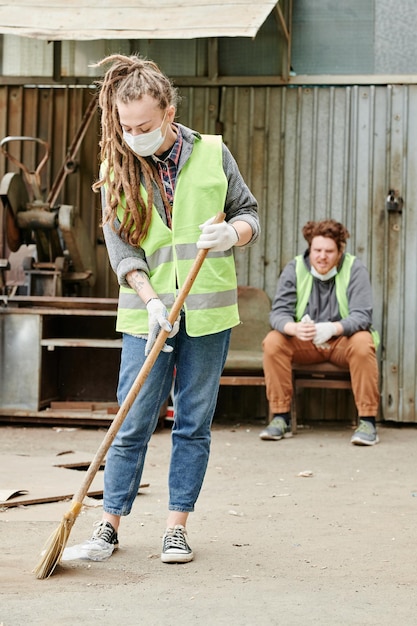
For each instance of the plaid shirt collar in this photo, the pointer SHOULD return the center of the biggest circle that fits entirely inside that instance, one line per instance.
(174, 154)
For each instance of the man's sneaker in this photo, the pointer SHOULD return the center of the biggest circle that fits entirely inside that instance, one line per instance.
(175, 548)
(99, 548)
(277, 429)
(365, 434)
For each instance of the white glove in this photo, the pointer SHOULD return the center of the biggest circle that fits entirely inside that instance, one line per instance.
(175, 327)
(324, 330)
(157, 320)
(217, 237)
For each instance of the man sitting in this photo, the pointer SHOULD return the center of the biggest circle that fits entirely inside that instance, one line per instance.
(322, 311)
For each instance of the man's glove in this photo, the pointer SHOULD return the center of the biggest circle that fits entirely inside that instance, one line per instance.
(217, 237)
(157, 320)
(324, 330)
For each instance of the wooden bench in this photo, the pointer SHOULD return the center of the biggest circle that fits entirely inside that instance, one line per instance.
(244, 364)
(319, 375)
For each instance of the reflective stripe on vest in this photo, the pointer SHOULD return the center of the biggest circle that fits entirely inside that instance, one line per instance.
(304, 280)
(211, 305)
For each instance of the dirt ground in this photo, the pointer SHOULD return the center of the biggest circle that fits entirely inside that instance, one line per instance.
(272, 547)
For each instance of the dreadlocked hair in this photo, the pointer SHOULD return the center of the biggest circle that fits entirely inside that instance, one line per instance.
(129, 78)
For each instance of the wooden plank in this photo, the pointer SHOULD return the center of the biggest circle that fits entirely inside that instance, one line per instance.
(107, 407)
(242, 380)
(73, 342)
(39, 480)
(96, 305)
(69, 413)
(61, 417)
(133, 19)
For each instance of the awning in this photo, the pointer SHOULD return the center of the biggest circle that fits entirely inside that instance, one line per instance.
(133, 19)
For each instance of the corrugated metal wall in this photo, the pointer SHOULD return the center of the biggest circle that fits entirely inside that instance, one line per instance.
(316, 152)
(307, 153)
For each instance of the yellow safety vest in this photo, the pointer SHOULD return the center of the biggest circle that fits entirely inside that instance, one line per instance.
(304, 280)
(211, 305)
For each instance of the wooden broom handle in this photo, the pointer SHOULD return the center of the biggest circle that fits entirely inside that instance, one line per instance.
(142, 375)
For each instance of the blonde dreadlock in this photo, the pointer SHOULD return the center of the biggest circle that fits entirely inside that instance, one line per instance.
(129, 78)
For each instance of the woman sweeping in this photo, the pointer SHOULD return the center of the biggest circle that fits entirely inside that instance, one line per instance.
(162, 185)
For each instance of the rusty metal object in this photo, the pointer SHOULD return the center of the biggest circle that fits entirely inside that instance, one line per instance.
(70, 164)
(33, 220)
(33, 179)
(37, 219)
(14, 198)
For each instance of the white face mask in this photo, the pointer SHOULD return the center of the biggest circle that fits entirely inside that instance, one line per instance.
(327, 276)
(146, 144)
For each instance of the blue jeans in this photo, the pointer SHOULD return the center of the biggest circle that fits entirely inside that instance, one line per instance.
(198, 363)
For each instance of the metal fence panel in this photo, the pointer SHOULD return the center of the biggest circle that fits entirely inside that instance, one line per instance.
(306, 153)
(336, 152)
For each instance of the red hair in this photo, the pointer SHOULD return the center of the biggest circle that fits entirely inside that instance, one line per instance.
(326, 228)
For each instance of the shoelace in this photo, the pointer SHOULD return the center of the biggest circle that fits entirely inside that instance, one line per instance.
(175, 538)
(366, 427)
(279, 422)
(104, 531)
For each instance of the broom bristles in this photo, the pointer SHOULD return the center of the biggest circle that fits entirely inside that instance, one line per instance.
(55, 545)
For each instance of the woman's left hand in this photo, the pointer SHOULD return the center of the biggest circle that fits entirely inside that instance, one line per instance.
(217, 237)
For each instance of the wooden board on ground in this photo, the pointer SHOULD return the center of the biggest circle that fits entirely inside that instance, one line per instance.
(26, 480)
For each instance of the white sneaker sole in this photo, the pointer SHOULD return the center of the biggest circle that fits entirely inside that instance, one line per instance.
(266, 437)
(357, 441)
(171, 557)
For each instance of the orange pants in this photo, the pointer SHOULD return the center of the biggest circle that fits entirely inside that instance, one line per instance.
(357, 352)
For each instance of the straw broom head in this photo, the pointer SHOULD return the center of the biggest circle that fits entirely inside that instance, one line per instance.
(54, 547)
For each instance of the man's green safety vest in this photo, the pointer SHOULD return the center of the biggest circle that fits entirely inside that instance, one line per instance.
(304, 280)
(211, 305)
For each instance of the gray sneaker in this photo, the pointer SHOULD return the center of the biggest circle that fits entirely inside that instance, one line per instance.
(277, 429)
(99, 548)
(175, 548)
(365, 434)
